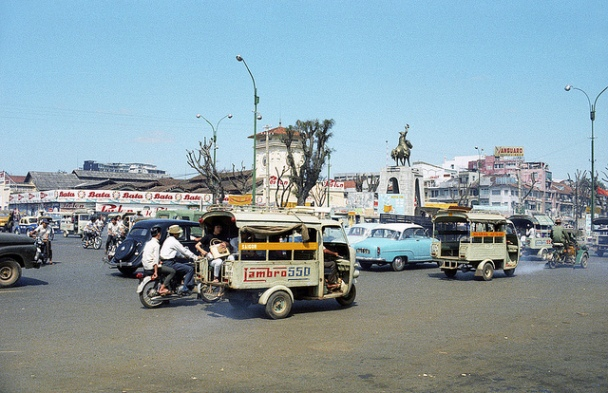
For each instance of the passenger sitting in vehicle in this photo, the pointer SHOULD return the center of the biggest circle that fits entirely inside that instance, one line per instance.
(331, 269)
(204, 249)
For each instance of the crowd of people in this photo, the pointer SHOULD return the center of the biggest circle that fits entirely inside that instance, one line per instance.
(162, 259)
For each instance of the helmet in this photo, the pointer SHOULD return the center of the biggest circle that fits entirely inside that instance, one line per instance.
(558, 220)
(155, 230)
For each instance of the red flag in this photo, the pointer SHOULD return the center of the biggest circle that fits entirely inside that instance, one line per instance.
(602, 192)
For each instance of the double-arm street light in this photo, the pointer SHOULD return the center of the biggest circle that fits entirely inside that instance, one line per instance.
(199, 116)
(592, 116)
(256, 100)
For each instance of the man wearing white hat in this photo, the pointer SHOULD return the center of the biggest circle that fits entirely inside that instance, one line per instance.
(171, 249)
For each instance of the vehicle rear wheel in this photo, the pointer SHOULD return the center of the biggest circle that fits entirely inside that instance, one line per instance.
(487, 272)
(65, 233)
(10, 272)
(584, 261)
(127, 270)
(544, 254)
(451, 273)
(509, 272)
(347, 301)
(398, 264)
(553, 261)
(148, 294)
(278, 305)
(210, 293)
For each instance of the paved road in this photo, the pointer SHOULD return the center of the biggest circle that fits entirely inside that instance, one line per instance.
(78, 326)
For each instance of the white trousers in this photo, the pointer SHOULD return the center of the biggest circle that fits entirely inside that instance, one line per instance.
(217, 265)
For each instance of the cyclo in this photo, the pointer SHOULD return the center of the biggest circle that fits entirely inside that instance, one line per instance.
(571, 253)
(478, 241)
(280, 258)
(538, 245)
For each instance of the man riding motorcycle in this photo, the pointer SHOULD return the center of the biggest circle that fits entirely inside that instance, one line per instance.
(172, 249)
(90, 230)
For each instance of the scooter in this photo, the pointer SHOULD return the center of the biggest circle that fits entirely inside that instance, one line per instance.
(568, 255)
(113, 246)
(148, 291)
(41, 258)
(92, 241)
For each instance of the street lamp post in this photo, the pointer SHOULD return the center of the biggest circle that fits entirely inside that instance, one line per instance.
(256, 100)
(199, 116)
(267, 131)
(328, 175)
(479, 151)
(592, 116)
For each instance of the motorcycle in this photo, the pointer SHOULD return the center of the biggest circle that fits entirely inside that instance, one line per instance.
(113, 246)
(41, 257)
(148, 291)
(93, 240)
(568, 255)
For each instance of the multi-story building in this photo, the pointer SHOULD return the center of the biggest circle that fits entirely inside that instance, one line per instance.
(133, 167)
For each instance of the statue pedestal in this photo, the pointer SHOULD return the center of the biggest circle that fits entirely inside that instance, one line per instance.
(400, 190)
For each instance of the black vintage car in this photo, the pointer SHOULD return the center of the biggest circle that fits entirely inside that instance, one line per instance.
(16, 253)
(128, 254)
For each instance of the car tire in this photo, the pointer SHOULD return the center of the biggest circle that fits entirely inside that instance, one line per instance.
(278, 305)
(347, 301)
(487, 272)
(10, 272)
(450, 273)
(584, 261)
(398, 264)
(365, 265)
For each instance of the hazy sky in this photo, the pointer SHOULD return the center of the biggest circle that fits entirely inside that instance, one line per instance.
(122, 81)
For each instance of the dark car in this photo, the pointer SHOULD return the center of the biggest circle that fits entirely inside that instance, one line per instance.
(128, 254)
(16, 253)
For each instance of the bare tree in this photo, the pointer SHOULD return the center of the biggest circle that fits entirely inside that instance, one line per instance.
(319, 194)
(581, 186)
(373, 181)
(359, 179)
(201, 161)
(240, 180)
(311, 136)
(214, 179)
(284, 187)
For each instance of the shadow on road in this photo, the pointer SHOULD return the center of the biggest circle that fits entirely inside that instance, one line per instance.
(29, 282)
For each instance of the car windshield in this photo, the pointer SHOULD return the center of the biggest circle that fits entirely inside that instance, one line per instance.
(334, 235)
(385, 233)
(357, 231)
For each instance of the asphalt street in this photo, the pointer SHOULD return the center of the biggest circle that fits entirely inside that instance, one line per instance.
(78, 326)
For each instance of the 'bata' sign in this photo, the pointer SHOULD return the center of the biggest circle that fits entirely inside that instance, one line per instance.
(508, 151)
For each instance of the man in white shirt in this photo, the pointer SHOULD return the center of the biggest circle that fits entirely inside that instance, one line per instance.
(172, 249)
(45, 232)
(152, 264)
(114, 232)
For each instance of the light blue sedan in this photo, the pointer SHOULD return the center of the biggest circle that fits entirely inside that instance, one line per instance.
(395, 244)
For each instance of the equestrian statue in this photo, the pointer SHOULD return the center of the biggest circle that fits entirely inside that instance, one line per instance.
(401, 153)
